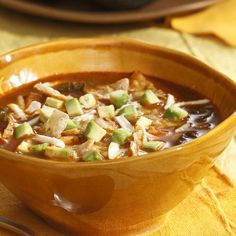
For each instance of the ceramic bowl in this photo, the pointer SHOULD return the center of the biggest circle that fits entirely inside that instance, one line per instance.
(122, 196)
(122, 4)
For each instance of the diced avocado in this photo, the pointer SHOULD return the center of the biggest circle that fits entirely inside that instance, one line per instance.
(23, 130)
(71, 125)
(93, 155)
(39, 147)
(106, 111)
(120, 136)
(73, 107)
(24, 147)
(129, 112)
(144, 122)
(149, 98)
(53, 102)
(94, 131)
(88, 101)
(45, 113)
(153, 145)
(119, 98)
(175, 113)
(56, 152)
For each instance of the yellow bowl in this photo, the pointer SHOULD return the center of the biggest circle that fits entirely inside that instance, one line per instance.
(120, 196)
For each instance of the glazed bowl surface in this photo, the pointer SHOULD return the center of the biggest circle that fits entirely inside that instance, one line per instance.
(121, 196)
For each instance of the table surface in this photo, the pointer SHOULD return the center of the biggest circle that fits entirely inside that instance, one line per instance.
(18, 30)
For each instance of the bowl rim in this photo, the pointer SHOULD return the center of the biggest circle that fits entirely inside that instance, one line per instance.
(23, 52)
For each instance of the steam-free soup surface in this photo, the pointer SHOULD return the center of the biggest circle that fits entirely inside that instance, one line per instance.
(69, 118)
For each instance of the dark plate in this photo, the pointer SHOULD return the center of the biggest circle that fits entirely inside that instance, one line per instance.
(87, 12)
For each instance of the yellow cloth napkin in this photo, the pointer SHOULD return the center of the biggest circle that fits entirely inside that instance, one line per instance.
(219, 20)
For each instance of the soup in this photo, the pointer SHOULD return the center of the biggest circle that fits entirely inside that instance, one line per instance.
(67, 118)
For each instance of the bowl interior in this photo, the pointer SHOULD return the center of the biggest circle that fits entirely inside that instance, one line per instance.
(115, 56)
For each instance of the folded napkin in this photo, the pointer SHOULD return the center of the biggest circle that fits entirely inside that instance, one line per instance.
(219, 20)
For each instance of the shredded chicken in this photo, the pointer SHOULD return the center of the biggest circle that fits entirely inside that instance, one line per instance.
(46, 89)
(56, 124)
(106, 124)
(70, 140)
(122, 84)
(71, 132)
(83, 148)
(9, 130)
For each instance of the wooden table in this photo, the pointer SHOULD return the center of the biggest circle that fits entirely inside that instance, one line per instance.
(18, 30)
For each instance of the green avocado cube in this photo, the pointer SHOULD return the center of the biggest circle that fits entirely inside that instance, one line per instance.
(23, 130)
(175, 113)
(71, 125)
(45, 113)
(129, 112)
(56, 152)
(144, 122)
(119, 98)
(149, 98)
(39, 147)
(120, 136)
(94, 131)
(53, 102)
(73, 107)
(106, 111)
(93, 155)
(153, 145)
(24, 147)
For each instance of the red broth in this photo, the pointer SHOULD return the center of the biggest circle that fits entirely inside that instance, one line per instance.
(116, 118)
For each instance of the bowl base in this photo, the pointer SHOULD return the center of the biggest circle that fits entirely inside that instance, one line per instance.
(148, 227)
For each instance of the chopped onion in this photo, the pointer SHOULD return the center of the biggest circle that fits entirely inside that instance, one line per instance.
(105, 124)
(170, 101)
(34, 106)
(196, 102)
(134, 148)
(183, 128)
(141, 152)
(51, 140)
(18, 111)
(45, 88)
(85, 117)
(113, 150)
(34, 121)
(135, 104)
(124, 123)
(21, 102)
